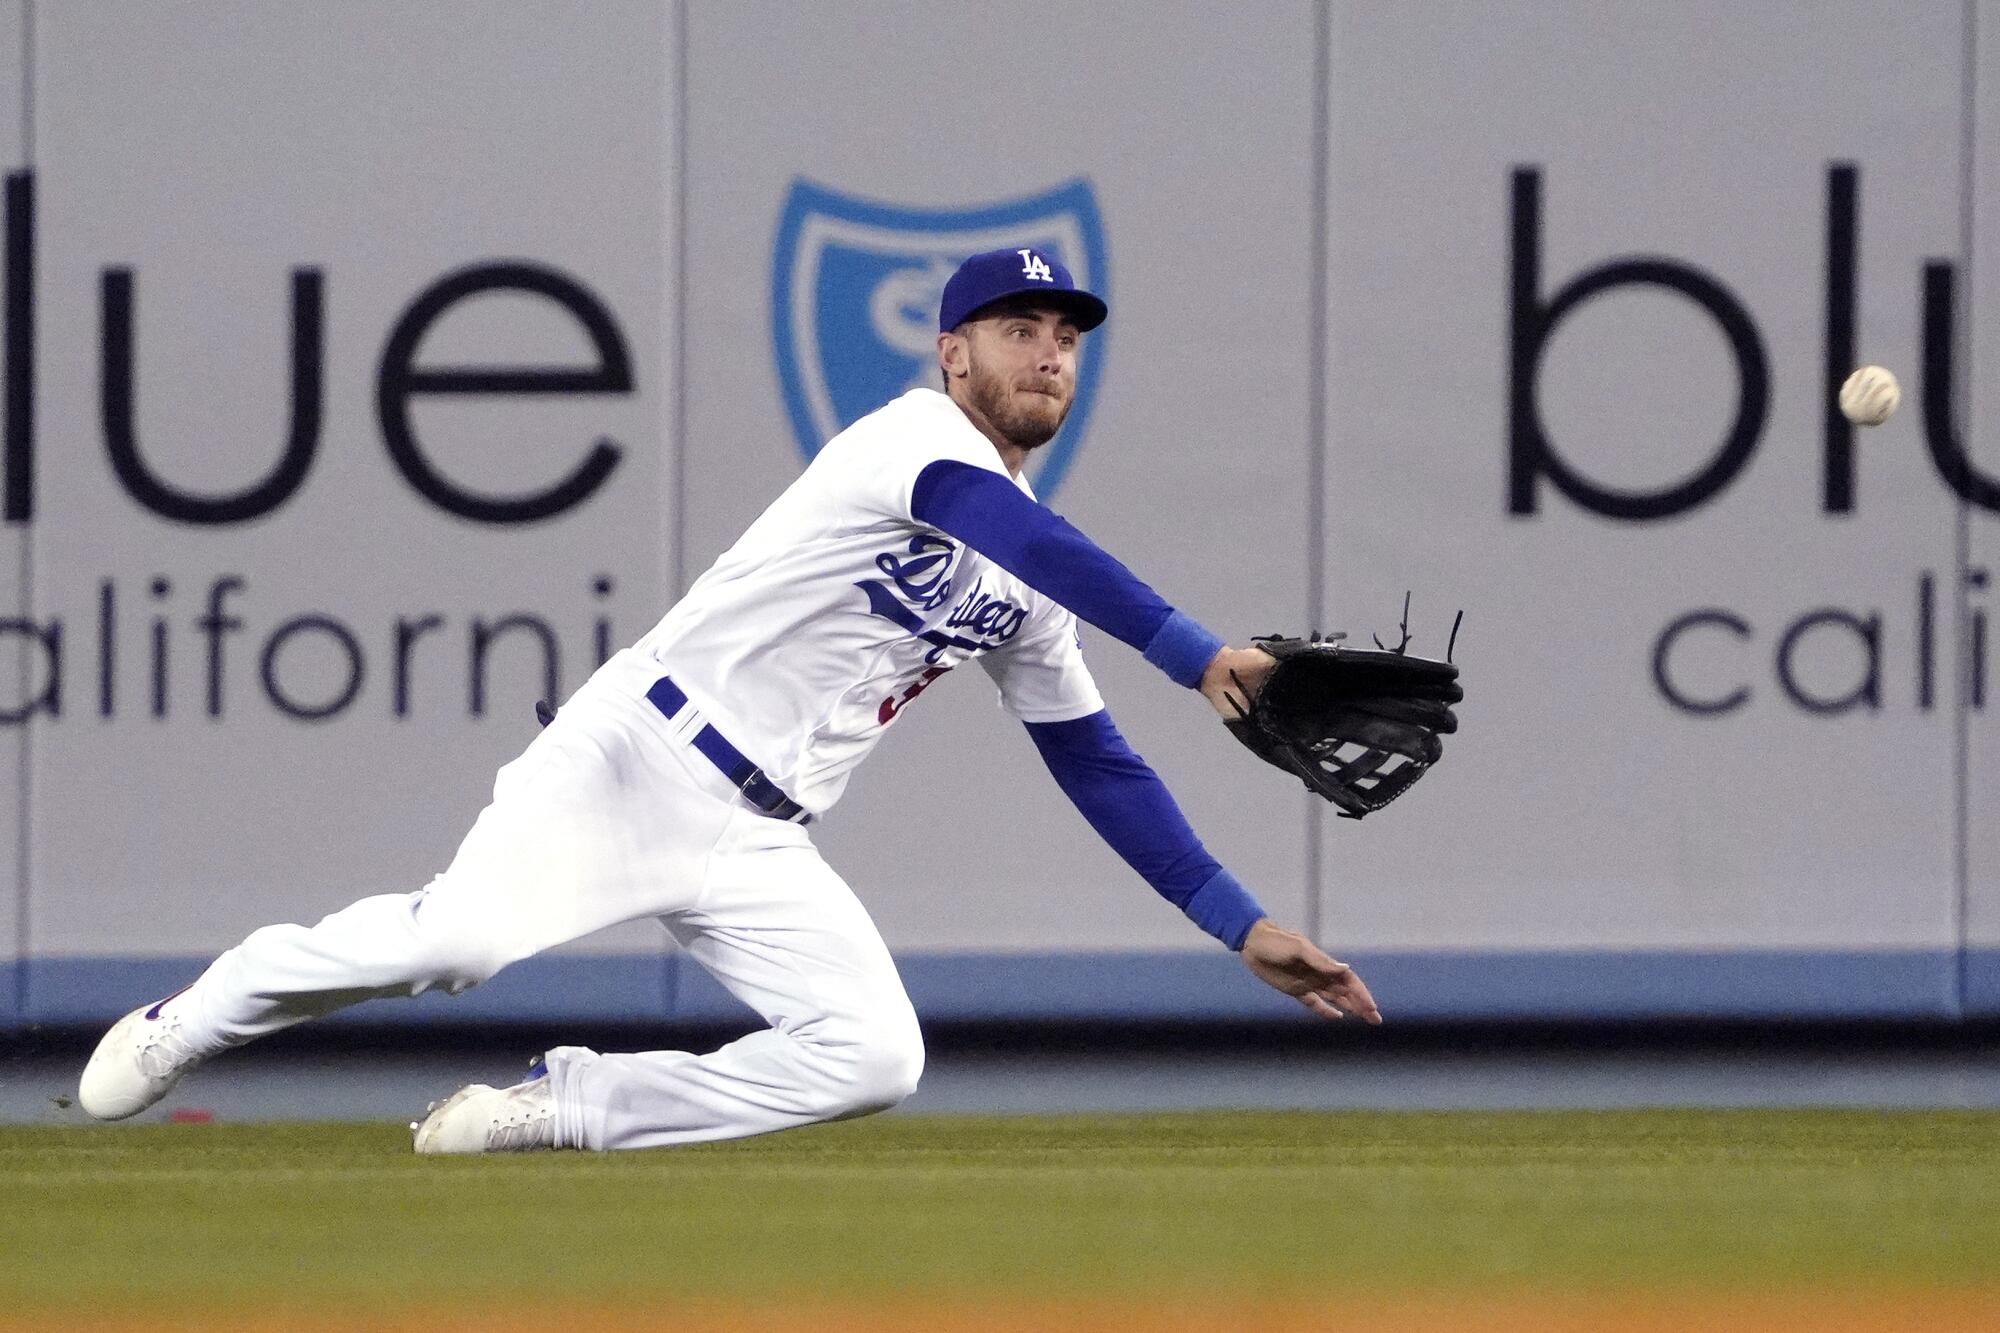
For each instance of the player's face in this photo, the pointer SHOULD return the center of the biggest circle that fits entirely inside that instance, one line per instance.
(1022, 372)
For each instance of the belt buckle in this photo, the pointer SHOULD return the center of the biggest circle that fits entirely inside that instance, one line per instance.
(778, 800)
(753, 778)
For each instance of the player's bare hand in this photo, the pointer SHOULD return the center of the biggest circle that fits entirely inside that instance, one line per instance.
(1288, 961)
(1233, 679)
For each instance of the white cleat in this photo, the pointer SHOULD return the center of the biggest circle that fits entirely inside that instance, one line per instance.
(478, 1118)
(137, 1063)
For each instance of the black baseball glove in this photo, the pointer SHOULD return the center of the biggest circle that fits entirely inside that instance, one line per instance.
(1359, 726)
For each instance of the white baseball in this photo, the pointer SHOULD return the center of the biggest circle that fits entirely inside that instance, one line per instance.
(1869, 396)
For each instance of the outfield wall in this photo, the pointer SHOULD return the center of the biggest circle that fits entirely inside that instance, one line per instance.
(370, 370)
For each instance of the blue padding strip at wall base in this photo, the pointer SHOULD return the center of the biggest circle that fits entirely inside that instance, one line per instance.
(1214, 986)
(558, 988)
(1193, 986)
(75, 990)
(1664, 985)
(1210, 986)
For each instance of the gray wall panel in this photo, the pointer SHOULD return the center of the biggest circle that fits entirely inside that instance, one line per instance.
(1194, 139)
(1579, 808)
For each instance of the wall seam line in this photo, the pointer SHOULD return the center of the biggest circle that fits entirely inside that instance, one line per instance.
(677, 324)
(1962, 402)
(1316, 554)
(678, 547)
(25, 772)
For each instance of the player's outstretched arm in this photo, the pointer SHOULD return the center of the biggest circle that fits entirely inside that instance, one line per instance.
(1286, 960)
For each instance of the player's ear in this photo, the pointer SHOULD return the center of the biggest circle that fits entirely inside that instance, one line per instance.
(954, 356)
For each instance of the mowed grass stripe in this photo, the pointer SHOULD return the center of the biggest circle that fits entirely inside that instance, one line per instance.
(221, 1216)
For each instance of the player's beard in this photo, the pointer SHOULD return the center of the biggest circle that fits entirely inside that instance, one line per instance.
(1028, 420)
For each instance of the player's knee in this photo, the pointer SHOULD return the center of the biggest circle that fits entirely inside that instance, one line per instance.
(469, 963)
(894, 1068)
(460, 947)
(877, 1072)
(457, 961)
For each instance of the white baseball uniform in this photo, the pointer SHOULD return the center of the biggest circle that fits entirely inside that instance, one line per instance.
(803, 643)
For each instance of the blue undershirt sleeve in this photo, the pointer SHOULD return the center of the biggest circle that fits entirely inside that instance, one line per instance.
(990, 514)
(1131, 809)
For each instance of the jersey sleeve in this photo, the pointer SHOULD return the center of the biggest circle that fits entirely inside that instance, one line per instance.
(1041, 674)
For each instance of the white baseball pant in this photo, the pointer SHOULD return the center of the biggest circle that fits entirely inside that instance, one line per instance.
(609, 816)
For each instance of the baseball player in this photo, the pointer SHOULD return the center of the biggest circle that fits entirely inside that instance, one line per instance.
(681, 780)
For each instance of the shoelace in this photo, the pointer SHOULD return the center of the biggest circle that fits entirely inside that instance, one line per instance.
(164, 1050)
(528, 1122)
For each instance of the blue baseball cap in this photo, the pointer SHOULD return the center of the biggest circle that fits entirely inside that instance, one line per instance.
(995, 275)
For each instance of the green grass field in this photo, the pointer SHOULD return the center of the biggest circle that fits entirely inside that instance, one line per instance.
(1147, 1208)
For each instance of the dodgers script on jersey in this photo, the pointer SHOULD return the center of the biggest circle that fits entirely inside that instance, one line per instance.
(837, 608)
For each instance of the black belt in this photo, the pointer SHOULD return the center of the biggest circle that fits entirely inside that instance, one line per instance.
(745, 776)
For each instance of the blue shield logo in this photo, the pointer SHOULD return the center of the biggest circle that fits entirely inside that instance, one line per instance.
(855, 285)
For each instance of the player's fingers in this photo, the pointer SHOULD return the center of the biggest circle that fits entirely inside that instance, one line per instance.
(1354, 998)
(1317, 1003)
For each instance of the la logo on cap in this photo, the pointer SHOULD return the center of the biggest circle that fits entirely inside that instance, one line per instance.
(1034, 266)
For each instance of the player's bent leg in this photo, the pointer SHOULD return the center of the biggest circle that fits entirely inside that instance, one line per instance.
(392, 944)
(550, 860)
(761, 1083)
(781, 930)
